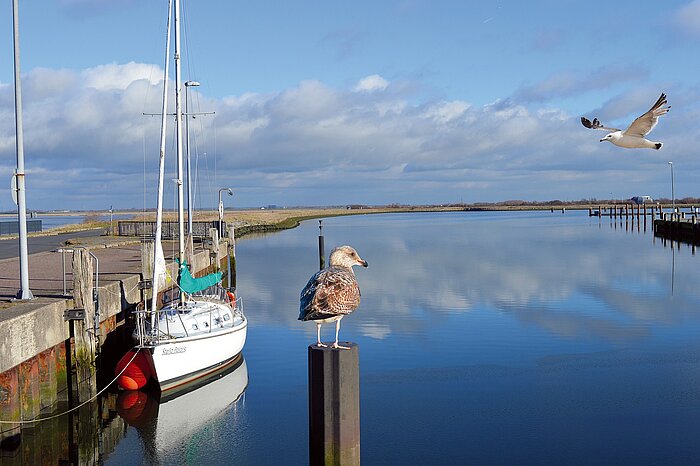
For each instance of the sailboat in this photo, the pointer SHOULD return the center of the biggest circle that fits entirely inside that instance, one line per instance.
(205, 329)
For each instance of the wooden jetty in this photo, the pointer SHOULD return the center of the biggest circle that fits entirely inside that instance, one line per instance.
(683, 224)
(51, 347)
(679, 227)
(628, 210)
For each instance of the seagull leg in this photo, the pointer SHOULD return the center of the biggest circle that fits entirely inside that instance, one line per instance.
(318, 335)
(337, 329)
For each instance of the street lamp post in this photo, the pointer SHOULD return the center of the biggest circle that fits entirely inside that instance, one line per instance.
(18, 179)
(188, 84)
(673, 192)
(221, 208)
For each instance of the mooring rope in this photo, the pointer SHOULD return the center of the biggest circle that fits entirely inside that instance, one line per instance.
(81, 404)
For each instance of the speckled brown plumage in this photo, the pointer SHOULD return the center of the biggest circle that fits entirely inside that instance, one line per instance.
(330, 292)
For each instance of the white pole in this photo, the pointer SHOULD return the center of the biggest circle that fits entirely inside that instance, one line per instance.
(161, 171)
(178, 126)
(221, 209)
(24, 292)
(190, 209)
(673, 191)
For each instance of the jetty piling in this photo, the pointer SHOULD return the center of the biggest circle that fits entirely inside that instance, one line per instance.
(231, 277)
(86, 338)
(321, 247)
(334, 405)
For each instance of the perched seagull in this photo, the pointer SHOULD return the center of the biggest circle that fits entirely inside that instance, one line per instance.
(633, 137)
(332, 293)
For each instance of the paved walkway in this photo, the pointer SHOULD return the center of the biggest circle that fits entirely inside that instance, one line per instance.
(117, 258)
(9, 247)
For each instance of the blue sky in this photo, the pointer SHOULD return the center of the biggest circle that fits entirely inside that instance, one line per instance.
(324, 103)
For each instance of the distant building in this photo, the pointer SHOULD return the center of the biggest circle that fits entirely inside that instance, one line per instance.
(642, 199)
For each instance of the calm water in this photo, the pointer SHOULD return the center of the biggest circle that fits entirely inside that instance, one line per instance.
(53, 221)
(484, 338)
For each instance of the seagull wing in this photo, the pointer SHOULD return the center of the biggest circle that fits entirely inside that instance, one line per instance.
(645, 123)
(331, 291)
(595, 124)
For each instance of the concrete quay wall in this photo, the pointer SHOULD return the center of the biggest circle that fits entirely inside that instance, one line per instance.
(36, 344)
(29, 328)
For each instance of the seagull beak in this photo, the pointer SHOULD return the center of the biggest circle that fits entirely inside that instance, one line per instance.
(364, 263)
(602, 140)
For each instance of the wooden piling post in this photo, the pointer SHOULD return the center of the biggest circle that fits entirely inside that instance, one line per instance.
(321, 247)
(334, 405)
(231, 256)
(215, 252)
(85, 339)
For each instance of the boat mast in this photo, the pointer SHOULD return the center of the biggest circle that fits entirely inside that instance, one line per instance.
(161, 171)
(25, 292)
(178, 132)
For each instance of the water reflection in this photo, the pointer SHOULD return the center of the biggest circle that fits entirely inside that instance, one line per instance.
(532, 335)
(172, 428)
(554, 274)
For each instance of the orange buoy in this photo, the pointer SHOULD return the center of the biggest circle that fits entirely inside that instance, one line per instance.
(136, 407)
(137, 372)
(231, 298)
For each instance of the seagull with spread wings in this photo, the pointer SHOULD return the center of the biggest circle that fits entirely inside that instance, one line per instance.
(634, 136)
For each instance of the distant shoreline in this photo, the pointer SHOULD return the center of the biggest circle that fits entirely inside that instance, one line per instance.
(251, 221)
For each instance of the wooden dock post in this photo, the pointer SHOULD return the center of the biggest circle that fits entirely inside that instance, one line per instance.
(231, 279)
(85, 338)
(334, 405)
(215, 252)
(321, 247)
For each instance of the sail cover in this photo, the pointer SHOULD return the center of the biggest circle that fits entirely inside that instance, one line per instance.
(190, 285)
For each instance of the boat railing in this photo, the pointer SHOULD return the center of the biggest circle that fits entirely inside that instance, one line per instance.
(153, 335)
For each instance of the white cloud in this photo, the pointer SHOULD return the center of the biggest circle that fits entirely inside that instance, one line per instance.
(315, 144)
(444, 112)
(119, 77)
(371, 83)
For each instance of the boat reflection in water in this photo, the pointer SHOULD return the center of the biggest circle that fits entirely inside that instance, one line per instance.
(170, 423)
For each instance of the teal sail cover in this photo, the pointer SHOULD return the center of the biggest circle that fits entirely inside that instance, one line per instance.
(190, 285)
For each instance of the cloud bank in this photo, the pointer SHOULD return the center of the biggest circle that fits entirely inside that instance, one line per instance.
(88, 144)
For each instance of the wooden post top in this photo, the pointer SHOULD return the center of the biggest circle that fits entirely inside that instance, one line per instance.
(353, 347)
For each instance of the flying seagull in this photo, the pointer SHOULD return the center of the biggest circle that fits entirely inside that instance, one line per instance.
(633, 137)
(332, 293)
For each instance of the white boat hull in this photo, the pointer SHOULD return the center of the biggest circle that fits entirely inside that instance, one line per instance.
(179, 360)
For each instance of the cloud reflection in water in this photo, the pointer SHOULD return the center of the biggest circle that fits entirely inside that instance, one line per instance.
(564, 275)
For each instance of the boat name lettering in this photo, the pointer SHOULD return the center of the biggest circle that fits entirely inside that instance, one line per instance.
(174, 350)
